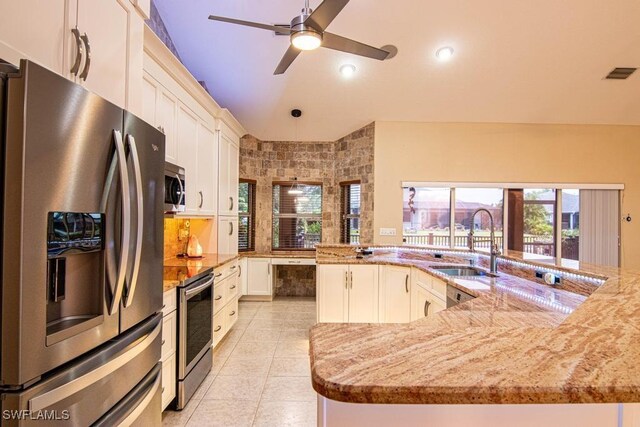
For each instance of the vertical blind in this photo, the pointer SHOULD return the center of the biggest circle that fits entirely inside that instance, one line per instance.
(350, 213)
(246, 216)
(599, 227)
(297, 215)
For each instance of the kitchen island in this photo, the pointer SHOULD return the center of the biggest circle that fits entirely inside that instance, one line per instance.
(520, 353)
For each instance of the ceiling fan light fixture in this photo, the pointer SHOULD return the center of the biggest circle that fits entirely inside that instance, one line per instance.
(348, 70)
(306, 40)
(444, 53)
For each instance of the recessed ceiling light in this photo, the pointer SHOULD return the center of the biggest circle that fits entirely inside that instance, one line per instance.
(348, 70)
(444, 53)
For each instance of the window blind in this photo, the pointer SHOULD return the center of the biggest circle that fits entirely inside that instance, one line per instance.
(297, 216)
(600, 227)
(246, 216)
(350, 213)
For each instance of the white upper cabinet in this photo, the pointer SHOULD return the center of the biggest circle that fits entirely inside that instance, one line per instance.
(167, 113)
(228, 235)
(228, 170)
(395, 294)
(97, 44)
(207, 190)
(187, 135)
(37, 30)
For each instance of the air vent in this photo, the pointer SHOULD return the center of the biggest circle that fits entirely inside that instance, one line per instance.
(620, 73)
(278, 33)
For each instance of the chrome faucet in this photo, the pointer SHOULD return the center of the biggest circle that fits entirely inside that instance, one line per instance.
(492, 239)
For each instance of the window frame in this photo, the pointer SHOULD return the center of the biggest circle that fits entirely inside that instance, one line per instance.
(251, 214)
(273, 214)
(345, 209)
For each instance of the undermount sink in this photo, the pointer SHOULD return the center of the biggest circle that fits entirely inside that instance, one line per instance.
(460, 271)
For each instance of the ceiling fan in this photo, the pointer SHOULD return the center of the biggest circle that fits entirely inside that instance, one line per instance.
(307, 32)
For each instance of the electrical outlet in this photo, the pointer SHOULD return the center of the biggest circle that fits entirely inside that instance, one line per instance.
(183, 233)
(387, 231)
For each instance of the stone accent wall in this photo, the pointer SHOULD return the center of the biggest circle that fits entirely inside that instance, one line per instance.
(350, 158)
(156, 24)
(295, 281)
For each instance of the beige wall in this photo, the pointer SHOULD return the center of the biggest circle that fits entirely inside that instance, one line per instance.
(467, 152)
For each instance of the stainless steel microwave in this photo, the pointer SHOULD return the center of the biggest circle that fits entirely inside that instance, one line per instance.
(174, 188)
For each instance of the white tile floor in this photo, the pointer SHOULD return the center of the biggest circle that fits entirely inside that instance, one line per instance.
(260, 374)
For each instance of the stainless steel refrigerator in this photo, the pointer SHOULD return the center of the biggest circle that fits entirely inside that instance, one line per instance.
(82, 248)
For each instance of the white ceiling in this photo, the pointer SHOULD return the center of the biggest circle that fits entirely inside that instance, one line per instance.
(516, 61)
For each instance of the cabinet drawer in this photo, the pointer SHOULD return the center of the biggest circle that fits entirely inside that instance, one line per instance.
(220, 295)
(219, 326)
(439, 288)
(169, 301)
(226, 270)
(231, 313)
(168, 380)
(233, 288)
(169, 333)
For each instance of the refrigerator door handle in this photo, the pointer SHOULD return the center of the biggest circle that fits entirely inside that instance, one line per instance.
(142, 406)
(119, 160)
(67, 390)
(137, 176)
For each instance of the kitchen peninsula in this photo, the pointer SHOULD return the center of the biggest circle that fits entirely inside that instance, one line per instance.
(525, 353)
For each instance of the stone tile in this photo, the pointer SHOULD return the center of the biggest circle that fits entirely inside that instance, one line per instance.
(239, 367)
(290, 367)
(223, 413)
(234, 335)
(266, 324)
(298, 324)
(246, 387)
(257, 350)
(172, 418)
(297, 348)
(301, 315)
(294, 334)
(224, 348)
(241, 324)
(292, 389)
(286, 414)
(257, 335)
(271, 315)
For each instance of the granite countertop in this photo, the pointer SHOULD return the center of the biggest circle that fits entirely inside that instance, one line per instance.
(177, 270)
(279, 254)
(517, 342)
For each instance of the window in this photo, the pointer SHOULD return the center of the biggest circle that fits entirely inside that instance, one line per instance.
(571, 224)
(426, 216)
(467, 201)
(297, 215)
(350, 212)
(247, 215)
(539, 221)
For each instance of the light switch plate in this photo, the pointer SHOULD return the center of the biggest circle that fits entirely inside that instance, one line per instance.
(387, 231)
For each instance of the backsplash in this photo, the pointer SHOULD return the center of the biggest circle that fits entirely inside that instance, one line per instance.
(173, 245)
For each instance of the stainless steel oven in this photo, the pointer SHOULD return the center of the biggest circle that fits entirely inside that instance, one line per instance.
(174, 188)
(195, 335)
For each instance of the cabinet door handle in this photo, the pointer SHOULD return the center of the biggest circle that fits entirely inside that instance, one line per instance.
(201, 200)
(230, 228)
(218, 298)
(232, 313)
(230, 203)
(346, 279)
(217, 328)
(406, 283)
(79, 52)
(218, 275)
(87, 61)
(268, 269)
(163, 341)
(351, 279)
(239, 270)
(233, 287)
(426, 308)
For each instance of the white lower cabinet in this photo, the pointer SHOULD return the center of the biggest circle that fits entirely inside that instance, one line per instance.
(225, 300)
(242, 274)
(169, 345)
(395, 294)
(347, 293)
(259, 277)
(357, 293)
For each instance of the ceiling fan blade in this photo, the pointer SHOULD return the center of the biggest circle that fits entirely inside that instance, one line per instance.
(336, 42)
(289, 56)
(325, 13)
(275, 28)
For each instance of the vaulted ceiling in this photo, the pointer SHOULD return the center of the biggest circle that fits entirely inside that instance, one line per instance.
(517, 61)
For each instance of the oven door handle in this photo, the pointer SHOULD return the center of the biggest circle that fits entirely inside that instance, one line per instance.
(192, 291)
